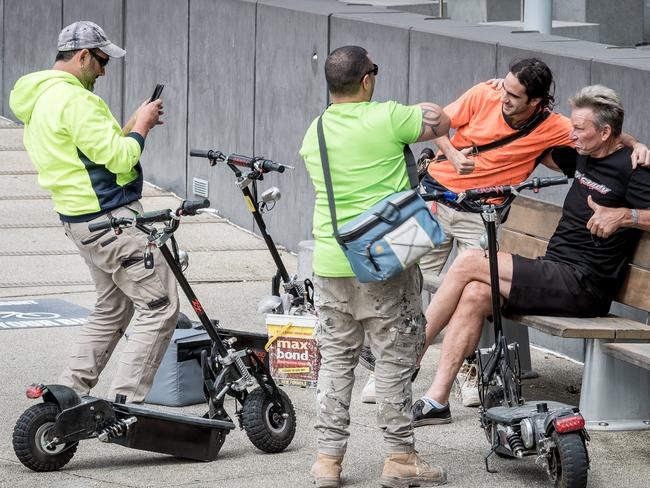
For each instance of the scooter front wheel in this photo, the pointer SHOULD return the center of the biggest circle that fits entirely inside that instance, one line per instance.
(31, 443)
(267, 427)
(567, 461)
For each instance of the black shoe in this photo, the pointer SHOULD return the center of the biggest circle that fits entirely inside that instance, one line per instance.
(366, 358)
(433, 416)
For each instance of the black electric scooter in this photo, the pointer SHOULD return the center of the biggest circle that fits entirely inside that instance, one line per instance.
(294, 298)
(46, 435)
(515, 428)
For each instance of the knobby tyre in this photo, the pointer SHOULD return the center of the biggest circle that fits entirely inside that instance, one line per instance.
(29, 439)
(264, 424)
(568, 461)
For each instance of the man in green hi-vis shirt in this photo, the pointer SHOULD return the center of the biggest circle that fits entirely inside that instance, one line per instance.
(365, 147)
(91, 166)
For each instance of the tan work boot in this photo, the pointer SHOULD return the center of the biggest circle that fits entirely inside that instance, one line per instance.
(327, 471)
(409, 469)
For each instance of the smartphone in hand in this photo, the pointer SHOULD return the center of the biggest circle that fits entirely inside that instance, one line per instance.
(156, 93)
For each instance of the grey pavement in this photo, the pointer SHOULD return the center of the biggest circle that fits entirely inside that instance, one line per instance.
(232, 270)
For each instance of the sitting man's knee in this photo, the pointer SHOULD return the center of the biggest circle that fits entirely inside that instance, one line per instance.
(467, 261)
(479, 295)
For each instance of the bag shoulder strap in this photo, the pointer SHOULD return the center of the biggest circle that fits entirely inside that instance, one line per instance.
(328, 177)
(526, 129)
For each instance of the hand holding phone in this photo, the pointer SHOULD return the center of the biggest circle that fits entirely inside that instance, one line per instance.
(156, 93)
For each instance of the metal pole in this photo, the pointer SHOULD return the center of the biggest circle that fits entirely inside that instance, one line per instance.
(538, 15)
(441, 4)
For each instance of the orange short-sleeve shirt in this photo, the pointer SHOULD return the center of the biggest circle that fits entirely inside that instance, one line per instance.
(478, 119)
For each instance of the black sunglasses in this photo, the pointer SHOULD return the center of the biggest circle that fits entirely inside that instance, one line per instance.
(102, 61)
(374, 71)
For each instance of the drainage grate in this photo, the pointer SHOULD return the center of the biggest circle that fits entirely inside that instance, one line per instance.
(200, 187)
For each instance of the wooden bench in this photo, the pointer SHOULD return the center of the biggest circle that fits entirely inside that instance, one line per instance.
(615, 393)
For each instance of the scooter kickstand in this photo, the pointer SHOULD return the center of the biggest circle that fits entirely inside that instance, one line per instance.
(487, 465)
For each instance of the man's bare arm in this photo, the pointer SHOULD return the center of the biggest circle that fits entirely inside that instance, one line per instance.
(435, 122)
(607, 220)
(462, 164)
(547, 161)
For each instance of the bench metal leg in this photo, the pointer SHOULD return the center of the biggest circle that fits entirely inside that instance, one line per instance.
(615, 395)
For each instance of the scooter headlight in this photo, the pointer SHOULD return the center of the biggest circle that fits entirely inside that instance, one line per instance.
(527, 433)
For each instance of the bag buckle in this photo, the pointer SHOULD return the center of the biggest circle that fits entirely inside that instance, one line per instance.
(389, 214)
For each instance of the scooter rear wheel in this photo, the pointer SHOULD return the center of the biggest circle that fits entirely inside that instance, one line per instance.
(265, 425)
(568, 462)
(30, 439)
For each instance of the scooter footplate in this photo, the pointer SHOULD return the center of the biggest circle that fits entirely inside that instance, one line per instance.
(183, 436)
(512, 415)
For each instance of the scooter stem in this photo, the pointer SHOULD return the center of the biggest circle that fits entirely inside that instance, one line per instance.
(489, 216)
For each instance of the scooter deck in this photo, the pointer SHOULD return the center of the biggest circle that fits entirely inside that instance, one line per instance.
(179, 418)
(184, 436)
(510, 415)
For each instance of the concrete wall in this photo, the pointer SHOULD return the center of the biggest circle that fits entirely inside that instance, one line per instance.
(29, 40)
(246, 76)
(108, 14)
(646, 21)
(621, 22)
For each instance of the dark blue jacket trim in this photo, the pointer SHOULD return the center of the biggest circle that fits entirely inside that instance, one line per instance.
(138, 138)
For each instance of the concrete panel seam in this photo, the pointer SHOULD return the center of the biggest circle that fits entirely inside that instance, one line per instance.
(254, 121)
(187, 100)
(123, 80)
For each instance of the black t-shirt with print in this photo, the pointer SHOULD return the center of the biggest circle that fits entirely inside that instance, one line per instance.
(611, 182)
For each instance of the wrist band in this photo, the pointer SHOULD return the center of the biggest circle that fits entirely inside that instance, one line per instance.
(635, 216)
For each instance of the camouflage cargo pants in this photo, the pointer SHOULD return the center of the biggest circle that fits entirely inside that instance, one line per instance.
(389, 313)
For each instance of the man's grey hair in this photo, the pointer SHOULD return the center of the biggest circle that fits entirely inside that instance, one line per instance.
(604, 103)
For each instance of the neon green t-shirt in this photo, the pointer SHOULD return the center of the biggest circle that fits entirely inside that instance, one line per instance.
(365, 147)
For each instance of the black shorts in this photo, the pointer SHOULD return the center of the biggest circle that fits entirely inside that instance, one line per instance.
(543, 287)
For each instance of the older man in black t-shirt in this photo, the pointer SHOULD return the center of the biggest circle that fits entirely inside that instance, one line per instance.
(602, 217)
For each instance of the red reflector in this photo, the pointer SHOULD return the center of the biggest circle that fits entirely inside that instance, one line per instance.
(569, 424)
(34, 391)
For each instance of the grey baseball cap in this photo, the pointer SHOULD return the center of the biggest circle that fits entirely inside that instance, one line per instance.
(84, 34)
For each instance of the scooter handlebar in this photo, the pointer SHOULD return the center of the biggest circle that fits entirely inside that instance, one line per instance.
(189, 207)
(154, 216)
(110, 223)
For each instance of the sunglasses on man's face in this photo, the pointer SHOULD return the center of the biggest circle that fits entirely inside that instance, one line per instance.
(374, 71)
(102, 61)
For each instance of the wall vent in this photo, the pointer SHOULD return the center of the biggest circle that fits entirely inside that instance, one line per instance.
(200, 187)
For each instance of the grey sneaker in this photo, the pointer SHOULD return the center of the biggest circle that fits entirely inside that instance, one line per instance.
(466, 384)
(425, 414)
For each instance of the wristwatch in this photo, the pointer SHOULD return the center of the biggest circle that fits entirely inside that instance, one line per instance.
(635, 216)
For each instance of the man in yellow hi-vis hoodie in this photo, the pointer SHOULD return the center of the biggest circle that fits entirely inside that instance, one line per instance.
(91, 166)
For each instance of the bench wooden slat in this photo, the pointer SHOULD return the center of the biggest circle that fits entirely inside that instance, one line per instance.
(637, 354)
(587, 328)
(522, 244)
(635, 290)
(641, 256)
(533, 217)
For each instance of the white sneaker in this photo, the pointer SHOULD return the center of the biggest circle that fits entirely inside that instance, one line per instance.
(466, 384)
(368, 392)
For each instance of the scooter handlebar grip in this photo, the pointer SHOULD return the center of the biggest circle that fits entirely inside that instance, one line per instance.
(272, 166)
(189, 207)
(155, 216)
(201, 153)
(555, 180)
(104, 224)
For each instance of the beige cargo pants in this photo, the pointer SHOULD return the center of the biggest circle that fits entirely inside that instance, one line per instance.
(390, 315)
(465, 228)
(123, 286)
